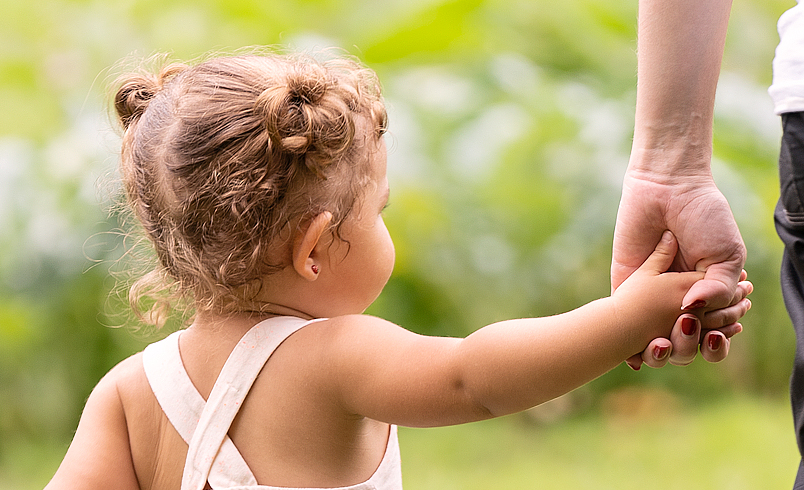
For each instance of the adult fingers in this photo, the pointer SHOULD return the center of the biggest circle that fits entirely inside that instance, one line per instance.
(715, 346)
(635, 361)
(685, 337)
(657, 353)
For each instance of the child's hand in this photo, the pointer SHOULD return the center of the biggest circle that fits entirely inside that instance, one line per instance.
(712, 331)
(649, 301)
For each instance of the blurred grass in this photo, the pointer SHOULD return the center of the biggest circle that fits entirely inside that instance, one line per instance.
(736, 443)
(634, 439)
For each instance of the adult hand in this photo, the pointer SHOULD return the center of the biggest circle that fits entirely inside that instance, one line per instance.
(668, 185)
(696, 212)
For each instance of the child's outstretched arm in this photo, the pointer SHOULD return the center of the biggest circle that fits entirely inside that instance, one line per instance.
(389, 374)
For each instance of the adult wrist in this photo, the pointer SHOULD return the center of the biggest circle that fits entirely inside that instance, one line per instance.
(671, 165)
(672, 144)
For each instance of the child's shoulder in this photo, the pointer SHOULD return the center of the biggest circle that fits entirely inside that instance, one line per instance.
(343, 339)
(360, 328)
(109, 394)
(126, 375)
(100, 455)
(321, 346)
(126, 388)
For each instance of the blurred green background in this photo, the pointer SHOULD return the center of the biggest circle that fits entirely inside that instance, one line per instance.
(510, 129)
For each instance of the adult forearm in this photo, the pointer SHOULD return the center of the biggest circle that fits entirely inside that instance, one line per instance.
(680, 48)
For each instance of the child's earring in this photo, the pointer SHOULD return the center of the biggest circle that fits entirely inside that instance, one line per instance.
(315, 269)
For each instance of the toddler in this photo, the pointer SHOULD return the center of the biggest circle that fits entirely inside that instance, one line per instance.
(260, 180)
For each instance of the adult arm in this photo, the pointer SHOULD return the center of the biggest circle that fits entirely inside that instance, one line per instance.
(668, 184)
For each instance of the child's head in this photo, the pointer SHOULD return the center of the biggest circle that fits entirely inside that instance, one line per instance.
(221, 161)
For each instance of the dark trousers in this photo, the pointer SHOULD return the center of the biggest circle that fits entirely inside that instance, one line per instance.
(789, 218)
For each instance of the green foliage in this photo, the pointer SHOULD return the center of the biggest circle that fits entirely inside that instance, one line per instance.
(510, 130)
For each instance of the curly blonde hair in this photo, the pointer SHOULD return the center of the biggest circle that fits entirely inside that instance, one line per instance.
(222, 159)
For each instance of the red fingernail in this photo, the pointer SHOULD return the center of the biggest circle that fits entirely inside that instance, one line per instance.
(689, 326)
(715, 341)
(694, 305)
(659, 352)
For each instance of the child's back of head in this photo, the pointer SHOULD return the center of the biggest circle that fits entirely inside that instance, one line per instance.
(222, 159)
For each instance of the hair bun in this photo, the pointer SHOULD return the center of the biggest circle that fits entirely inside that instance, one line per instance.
(137, 90)
(132, 98)
(308, 115)
(307, 88)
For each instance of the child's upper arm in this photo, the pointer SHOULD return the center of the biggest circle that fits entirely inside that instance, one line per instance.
(99, 456)
(387, 373)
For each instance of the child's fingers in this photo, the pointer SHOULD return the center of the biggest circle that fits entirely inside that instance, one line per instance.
(744, 288)
(731, 330)
(716, 319)
(663, 255)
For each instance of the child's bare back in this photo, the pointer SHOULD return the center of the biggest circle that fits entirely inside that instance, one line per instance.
(286, 426)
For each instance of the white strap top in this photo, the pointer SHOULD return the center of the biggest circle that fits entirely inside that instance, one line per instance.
(212, 457)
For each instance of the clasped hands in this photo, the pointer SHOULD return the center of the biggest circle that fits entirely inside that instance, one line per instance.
(696, 212)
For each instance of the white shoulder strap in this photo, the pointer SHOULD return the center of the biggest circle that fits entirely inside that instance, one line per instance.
(233, 383)
(183, 405)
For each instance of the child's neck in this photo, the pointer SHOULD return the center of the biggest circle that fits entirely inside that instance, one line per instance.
(242, 320)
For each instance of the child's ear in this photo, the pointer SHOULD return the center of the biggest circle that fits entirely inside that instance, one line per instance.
(306, 262)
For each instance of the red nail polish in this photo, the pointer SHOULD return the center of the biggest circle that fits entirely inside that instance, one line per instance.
(694, 305)
(715, 341)
(659, 352)
(688, 326)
